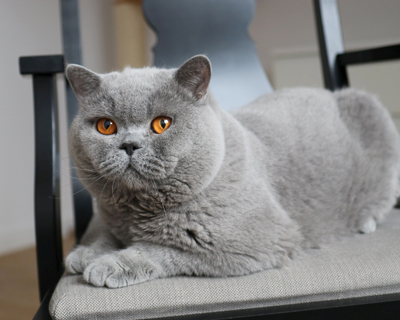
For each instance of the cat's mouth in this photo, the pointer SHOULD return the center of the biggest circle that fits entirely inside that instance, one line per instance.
(133, 171)
(132, 177)
(139, 170)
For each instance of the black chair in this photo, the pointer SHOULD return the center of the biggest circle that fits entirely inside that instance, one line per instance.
(162, 15)
(333, 58)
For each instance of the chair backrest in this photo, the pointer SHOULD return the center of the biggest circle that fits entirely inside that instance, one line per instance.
(218, 29)
(330, 41)
(333, 58)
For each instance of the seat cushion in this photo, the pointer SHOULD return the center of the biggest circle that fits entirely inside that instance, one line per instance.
(358, 266)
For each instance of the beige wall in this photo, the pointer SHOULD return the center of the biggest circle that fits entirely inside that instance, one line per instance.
(286, 40)
(286, 26)
(98, 35)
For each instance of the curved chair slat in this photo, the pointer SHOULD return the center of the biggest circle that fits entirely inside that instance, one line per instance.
(218, 29)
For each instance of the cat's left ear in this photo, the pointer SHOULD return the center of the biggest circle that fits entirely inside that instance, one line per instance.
(83, 81)
(195, 75)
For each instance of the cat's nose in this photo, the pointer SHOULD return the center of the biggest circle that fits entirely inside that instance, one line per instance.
(129, 147)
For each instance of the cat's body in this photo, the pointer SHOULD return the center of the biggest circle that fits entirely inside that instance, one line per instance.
(222, 194)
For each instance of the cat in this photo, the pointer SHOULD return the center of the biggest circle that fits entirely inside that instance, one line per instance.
(185, 188)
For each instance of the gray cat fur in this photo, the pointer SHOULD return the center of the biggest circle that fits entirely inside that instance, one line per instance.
(220, 194)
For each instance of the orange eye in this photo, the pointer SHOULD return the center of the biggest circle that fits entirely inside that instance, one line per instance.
(106, 126)
(160, 124)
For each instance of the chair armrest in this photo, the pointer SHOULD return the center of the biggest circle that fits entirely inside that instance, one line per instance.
(363, 56)
(369, 55)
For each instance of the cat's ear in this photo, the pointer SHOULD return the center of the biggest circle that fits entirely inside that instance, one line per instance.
(195, 75)
(83, 81)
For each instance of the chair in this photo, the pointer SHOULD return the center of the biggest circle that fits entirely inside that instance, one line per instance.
(360, 282)
(333, 58)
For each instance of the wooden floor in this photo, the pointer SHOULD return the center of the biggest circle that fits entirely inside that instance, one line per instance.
(19, 293)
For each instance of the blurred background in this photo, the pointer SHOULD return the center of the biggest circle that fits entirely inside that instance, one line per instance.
(114, 34)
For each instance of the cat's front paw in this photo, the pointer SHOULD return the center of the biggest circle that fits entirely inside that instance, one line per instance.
(118, 270)
(79, 258)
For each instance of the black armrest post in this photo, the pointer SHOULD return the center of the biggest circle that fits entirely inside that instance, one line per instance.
(47, 180)
(330, 43)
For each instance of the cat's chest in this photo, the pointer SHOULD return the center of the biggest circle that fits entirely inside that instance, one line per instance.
(186, 226)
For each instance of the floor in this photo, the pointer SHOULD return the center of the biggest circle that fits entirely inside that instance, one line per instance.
(19, 293)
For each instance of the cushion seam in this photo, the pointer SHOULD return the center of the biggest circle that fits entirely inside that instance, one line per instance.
(53, 314)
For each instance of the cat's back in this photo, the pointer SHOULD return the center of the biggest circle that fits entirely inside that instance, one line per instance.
(291, 114)
(284, 100)
(311, 114)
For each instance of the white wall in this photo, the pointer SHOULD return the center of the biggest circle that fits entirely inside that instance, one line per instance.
(33, 28)
(25, 29)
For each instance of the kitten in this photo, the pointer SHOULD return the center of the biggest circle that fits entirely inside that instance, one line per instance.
(185, 188)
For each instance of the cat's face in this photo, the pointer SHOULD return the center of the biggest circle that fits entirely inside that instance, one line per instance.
(146, 127)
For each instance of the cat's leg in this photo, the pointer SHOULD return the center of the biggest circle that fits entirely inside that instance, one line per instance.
(375, 206)
(96, 242)
(146, 261)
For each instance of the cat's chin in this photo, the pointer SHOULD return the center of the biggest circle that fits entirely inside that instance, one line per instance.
(132, 180)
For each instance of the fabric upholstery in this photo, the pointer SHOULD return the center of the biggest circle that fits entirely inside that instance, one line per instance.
(362, 265)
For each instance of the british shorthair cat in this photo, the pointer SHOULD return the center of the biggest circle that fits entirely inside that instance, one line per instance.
(185, 188)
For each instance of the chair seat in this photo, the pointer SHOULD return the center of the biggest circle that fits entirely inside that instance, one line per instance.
(358, 266)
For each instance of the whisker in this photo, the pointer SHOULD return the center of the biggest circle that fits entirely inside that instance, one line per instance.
(103, 189)
(71, 166)
(120, 192)
(80, 189)
(94, 176)
(88, 185)
(112, 190)
(83, 169)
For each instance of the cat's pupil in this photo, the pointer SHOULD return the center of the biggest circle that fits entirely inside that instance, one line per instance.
(107, 124)
(163, 123)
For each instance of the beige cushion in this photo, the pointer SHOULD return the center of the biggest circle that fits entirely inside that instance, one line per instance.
(363, 265)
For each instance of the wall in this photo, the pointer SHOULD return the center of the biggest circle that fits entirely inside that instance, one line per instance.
(287, 26)
(33, 28)
(26, 29)
(286, 40)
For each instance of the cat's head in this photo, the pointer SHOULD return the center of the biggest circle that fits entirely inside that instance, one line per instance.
(146, 128)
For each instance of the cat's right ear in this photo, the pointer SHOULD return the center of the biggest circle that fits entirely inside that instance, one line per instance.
(83, 81)
(195, 75)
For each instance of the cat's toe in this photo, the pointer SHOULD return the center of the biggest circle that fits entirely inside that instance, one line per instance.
(115, 271)
(78, 259)
(73, 263)
(368, 226)
(120, 279)
(97, 272)
(109, 271)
